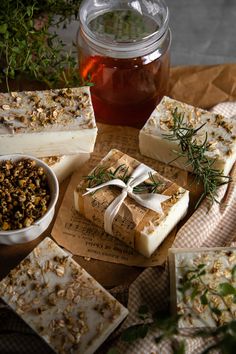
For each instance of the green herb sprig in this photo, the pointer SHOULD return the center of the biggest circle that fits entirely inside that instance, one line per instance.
(121, 25)
(193, 283)
(195, 154)
(29, 47)
(101, 175)
(223, 336)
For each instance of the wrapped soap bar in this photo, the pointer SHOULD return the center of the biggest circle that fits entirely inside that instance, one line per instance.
(45, 123)
(131, 201)
(203, 285)
(157, 139)
(60, 301)
(65, 165)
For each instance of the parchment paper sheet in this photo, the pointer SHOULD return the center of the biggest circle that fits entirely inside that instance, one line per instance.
(79, 235)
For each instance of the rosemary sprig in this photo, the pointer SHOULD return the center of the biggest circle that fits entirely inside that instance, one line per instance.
(101, 175)
(195, 154)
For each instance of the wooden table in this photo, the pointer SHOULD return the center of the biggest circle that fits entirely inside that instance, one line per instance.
(189, 84)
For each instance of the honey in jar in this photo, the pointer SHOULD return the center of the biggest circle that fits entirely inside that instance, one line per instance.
(124, 52)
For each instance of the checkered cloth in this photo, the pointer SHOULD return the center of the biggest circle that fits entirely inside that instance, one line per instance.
(204, 228)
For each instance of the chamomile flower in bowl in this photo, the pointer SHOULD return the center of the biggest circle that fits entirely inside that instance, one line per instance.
(28, 194)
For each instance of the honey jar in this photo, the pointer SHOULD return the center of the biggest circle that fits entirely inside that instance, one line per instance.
(124, 51)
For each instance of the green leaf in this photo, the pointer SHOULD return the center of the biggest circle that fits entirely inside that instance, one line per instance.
(233, 271)
(167, 323)
(3, 28)
(179, 348)
(200, 266)
(203, 299)
(143, 310)
(194, 276)
(113, 351)
(11, 73)
(195, 292)
(226, 289)
(216, 311)
(135, 332)
(185, 286)
(16, 49)
(29, 11)
(232, 326)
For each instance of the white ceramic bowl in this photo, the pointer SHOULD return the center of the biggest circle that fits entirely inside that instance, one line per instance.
(12, 237)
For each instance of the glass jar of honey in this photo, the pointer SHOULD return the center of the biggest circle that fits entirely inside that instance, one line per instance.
(124, 52)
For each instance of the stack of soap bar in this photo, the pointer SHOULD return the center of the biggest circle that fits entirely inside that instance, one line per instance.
(220, 133)
(45, 123)
(64, 165)
(61, 301)
(139, 227)
(203, 285)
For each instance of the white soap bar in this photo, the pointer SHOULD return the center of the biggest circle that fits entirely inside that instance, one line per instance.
(45, 123)
(139, 227)
(220, 132)
(196, 277)
(65, 165)
(60, 301)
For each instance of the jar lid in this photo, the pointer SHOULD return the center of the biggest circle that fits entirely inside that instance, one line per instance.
(121, 28)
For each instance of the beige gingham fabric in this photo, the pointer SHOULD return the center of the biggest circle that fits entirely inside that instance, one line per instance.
(216, 227)
(205, 228)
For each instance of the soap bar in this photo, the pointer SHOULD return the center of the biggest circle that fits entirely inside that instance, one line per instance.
(50, 122)
(202, 285)
(140, 227)
(60, 301)
(219, 131)
(65, 165)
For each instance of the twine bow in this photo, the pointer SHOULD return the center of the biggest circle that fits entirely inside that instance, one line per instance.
(149, 200)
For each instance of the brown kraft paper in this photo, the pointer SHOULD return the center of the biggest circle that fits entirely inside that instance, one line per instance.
(78, 235)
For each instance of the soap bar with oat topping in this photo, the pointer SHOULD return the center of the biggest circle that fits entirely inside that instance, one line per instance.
(45, 123)
(203, 285)
(219, 132)
(60, 301)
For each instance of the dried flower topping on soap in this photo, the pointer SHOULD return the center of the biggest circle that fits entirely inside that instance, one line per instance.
(37, 110)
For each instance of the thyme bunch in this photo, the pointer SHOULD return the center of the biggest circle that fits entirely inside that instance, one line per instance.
(195, 154)
(29, 46)
(101, 175)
